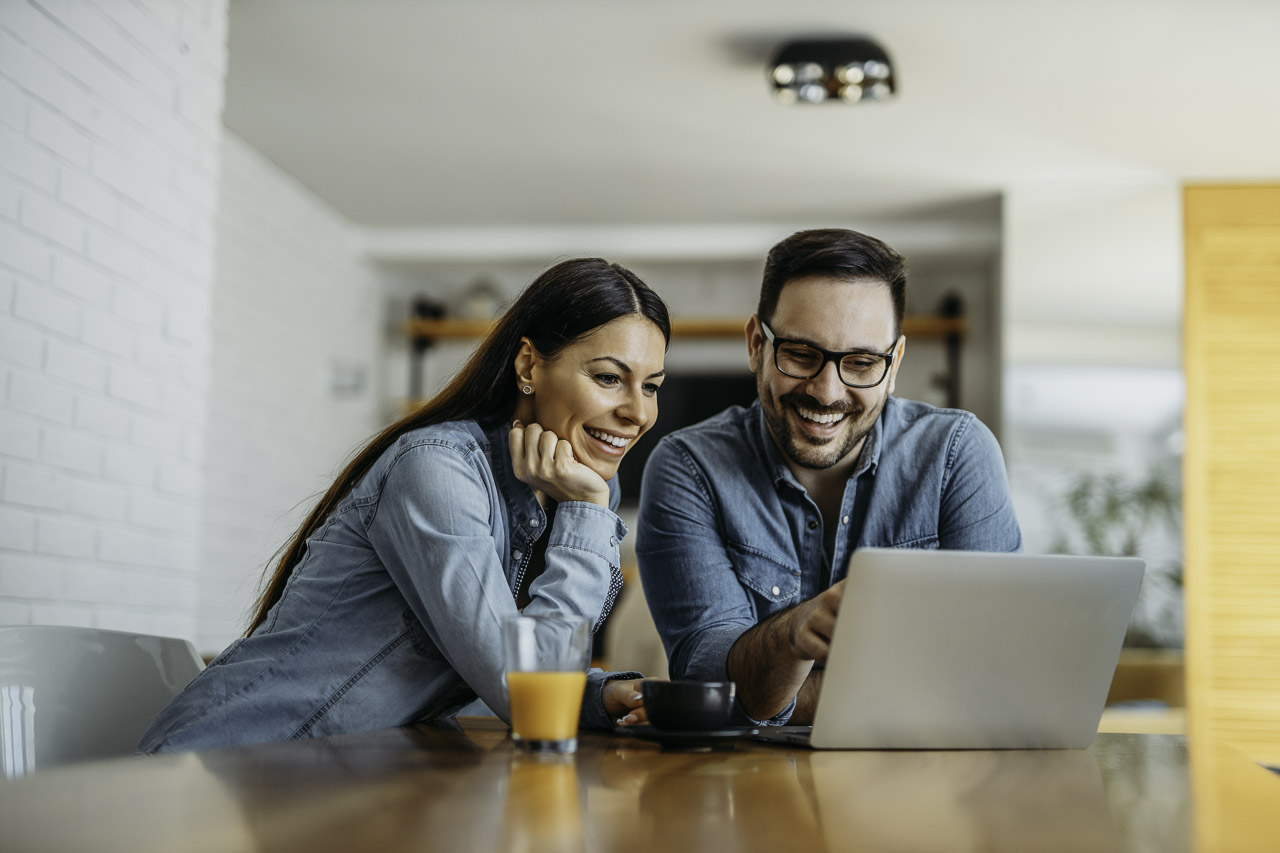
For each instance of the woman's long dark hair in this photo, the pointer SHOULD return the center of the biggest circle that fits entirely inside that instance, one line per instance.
(568, 301)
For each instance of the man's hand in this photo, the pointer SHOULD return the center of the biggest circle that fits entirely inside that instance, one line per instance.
(771, 662)
(812, 624)
(546, 462)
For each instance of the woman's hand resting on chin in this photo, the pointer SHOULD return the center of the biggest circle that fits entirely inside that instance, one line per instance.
(546, 462)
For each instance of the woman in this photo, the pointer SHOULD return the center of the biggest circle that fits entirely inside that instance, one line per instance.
(496, 495)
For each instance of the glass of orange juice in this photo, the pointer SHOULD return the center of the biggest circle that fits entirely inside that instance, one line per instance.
(547, 658)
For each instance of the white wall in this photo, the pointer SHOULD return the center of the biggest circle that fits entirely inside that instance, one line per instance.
(296, 327)
(1093, 272)
(109, 128)
(1092, 303)
(186, 354)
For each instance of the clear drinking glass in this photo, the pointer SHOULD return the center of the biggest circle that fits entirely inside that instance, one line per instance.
(547, 659)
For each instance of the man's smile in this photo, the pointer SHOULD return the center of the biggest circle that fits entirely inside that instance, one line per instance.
(825, 418)
(818, 424)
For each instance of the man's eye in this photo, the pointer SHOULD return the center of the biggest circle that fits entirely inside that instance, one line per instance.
(801, 356)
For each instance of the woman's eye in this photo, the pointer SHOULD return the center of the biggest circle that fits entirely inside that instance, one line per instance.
(651, 389)
(607, 378)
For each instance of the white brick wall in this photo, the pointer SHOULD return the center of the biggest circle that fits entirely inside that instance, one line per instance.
(292, 298)
(110, 114)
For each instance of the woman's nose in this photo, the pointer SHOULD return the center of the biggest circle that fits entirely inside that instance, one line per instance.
(635, 408)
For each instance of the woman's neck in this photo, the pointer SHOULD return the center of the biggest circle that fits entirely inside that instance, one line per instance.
(524, 410)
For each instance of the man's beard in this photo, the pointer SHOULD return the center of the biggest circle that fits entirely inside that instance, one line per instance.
(813, 452)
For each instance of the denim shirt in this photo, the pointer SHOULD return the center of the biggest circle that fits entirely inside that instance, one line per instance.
(727, 536)
(394, 613)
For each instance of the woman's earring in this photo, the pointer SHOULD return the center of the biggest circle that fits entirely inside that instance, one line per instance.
(528, 389)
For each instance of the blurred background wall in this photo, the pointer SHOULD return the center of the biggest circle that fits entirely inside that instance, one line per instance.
(215, 218)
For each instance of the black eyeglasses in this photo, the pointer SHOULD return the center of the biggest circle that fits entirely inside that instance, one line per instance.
(804, 361)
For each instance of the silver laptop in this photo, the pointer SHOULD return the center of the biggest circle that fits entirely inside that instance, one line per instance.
(971, 650)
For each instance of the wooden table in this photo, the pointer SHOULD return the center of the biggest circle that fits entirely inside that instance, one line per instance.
(460, 789)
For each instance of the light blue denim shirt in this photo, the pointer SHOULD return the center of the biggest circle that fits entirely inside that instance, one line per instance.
(727, 536)
(394, 613)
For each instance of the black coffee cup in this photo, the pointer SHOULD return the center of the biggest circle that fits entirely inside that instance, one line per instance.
(688, 705)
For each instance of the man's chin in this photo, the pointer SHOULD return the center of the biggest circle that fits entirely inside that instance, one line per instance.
(816, 440)
(819, 452)
(807, 451)
(805, 457)
(803, 437)
(816, 452)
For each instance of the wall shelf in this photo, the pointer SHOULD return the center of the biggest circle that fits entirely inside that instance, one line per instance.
(949, 325)
(422, 330)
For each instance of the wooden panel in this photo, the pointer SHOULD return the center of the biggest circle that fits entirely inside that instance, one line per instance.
(1232, 466)
(1149, 674)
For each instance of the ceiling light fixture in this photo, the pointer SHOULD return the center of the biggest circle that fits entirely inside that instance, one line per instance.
(851, 69)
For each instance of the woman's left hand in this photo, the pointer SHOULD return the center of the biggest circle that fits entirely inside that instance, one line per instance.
(623, 702)
(546, 462)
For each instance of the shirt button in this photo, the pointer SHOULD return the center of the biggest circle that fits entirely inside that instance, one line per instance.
(844, 520)
(813, 525)
(613, 541)
(517, 555)
(533, 522)
(776, 592)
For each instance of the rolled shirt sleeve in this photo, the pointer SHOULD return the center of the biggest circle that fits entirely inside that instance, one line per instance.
(698, 604)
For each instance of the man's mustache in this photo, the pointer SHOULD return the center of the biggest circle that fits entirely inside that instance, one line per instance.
(796, 398)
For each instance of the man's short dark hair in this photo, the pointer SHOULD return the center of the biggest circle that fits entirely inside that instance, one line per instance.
(834, 253)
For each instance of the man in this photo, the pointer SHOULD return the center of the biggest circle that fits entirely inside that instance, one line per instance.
(747, 520)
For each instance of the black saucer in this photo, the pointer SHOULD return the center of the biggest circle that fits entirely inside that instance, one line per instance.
(688, 739)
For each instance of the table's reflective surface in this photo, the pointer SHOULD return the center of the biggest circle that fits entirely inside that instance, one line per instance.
(432, 788)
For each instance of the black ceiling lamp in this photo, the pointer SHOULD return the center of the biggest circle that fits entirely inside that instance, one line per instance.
(843, 69)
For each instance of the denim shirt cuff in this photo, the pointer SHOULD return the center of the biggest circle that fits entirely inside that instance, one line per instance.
(740, 717)
(709, 660)
(711, 663)
(593, 525)
(593, 714)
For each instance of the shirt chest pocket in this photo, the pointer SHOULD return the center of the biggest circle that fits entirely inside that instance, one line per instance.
(775, 583)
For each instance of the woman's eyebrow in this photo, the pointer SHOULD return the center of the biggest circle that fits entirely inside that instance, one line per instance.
(624, 367)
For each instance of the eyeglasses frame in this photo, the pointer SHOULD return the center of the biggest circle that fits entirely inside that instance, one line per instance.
(828, 356)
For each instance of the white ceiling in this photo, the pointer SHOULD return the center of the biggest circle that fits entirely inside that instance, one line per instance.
(425, 113)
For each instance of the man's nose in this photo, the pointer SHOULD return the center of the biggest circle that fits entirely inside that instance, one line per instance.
(826, 387)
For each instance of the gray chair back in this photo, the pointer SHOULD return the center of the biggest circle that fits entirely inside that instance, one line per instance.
(75, 694)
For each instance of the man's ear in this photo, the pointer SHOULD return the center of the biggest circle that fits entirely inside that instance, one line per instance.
(899, 350)
(527, 359)
(755, 343)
